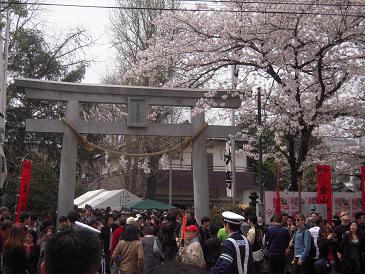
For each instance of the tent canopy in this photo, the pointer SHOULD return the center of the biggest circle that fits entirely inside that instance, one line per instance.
(149, 204)
(87, 196)
(115, 199)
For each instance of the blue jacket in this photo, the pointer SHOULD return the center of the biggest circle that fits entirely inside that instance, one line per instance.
(302, 243)
(227, 262)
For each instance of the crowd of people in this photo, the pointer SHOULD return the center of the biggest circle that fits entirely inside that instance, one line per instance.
(105, 241)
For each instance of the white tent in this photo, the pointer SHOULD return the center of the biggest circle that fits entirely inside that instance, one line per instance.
(87, 196)
(115, 199)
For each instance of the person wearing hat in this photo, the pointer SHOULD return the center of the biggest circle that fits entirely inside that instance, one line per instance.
(236, 255)
(192, 253)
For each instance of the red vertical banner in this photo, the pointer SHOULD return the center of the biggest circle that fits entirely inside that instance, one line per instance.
(24, 188)
(183, 226)
(277, 196)
(324, 188)
(363, 187)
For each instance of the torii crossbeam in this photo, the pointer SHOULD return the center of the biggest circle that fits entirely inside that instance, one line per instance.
(138, 99)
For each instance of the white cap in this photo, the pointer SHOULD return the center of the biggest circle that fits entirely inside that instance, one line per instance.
(233, 218)
(131, 220)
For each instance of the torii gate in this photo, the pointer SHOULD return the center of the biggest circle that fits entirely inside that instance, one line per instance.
(138, 99)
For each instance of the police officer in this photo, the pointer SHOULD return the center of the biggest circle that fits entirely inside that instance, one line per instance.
(236, 255)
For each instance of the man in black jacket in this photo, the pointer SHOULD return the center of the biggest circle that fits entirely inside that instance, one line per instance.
(106, 237)
(277, 239)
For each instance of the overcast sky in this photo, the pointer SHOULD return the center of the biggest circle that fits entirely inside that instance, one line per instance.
(59, 20)
(95, 21)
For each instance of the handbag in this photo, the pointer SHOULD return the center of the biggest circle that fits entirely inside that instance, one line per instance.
(156, 250)
(321, 265)
(258, 255)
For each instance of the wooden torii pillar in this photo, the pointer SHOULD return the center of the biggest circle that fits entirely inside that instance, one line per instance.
(138, 99)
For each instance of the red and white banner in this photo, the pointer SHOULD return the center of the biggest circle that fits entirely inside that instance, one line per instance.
(24, 188)
(277, 196)
(342, 201)
(363, 187)
(324, 188)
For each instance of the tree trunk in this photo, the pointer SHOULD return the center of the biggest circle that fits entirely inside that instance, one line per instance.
(134, 171)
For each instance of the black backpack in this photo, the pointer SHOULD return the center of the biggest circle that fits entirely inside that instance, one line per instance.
(258, 239)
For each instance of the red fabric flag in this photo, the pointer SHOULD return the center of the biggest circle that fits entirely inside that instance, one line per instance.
(363, 187)
(183, 232)
(324, 188)
(277, 196)
(24, 188)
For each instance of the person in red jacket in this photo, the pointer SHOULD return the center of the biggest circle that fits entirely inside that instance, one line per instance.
(115, 239)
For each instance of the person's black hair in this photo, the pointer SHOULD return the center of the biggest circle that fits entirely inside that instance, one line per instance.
(24, 216)
(92, 222)
(358, 215)
(73, 252)
(234, 227)
(176, 268)
(122, 221)
(73, 216)
(171, 216)
(33, 217)
(6, 224)
(148, 230)
(205, 219)
(284, 214)
(252, 218)
(190, 221)
(130, 233)
(272, 219)
(62, 219)
(278, 218)
(318, 221)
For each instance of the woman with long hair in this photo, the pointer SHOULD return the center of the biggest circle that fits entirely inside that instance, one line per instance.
(129, 254)
(32, 251)
(15, 259)
(351, 246)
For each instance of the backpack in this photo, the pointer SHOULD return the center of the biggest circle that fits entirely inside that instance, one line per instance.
(258, 239)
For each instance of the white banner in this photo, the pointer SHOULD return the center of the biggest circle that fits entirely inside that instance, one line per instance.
(228, 162)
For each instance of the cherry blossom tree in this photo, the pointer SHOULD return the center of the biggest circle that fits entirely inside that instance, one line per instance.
(306, 56)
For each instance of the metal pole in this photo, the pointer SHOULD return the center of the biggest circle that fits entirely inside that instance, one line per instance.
(233, 141)
(259, 121)
(170, 182)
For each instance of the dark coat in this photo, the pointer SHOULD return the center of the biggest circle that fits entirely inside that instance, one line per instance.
(227, 262)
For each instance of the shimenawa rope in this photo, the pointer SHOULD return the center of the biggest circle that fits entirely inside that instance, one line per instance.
(91, 146)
